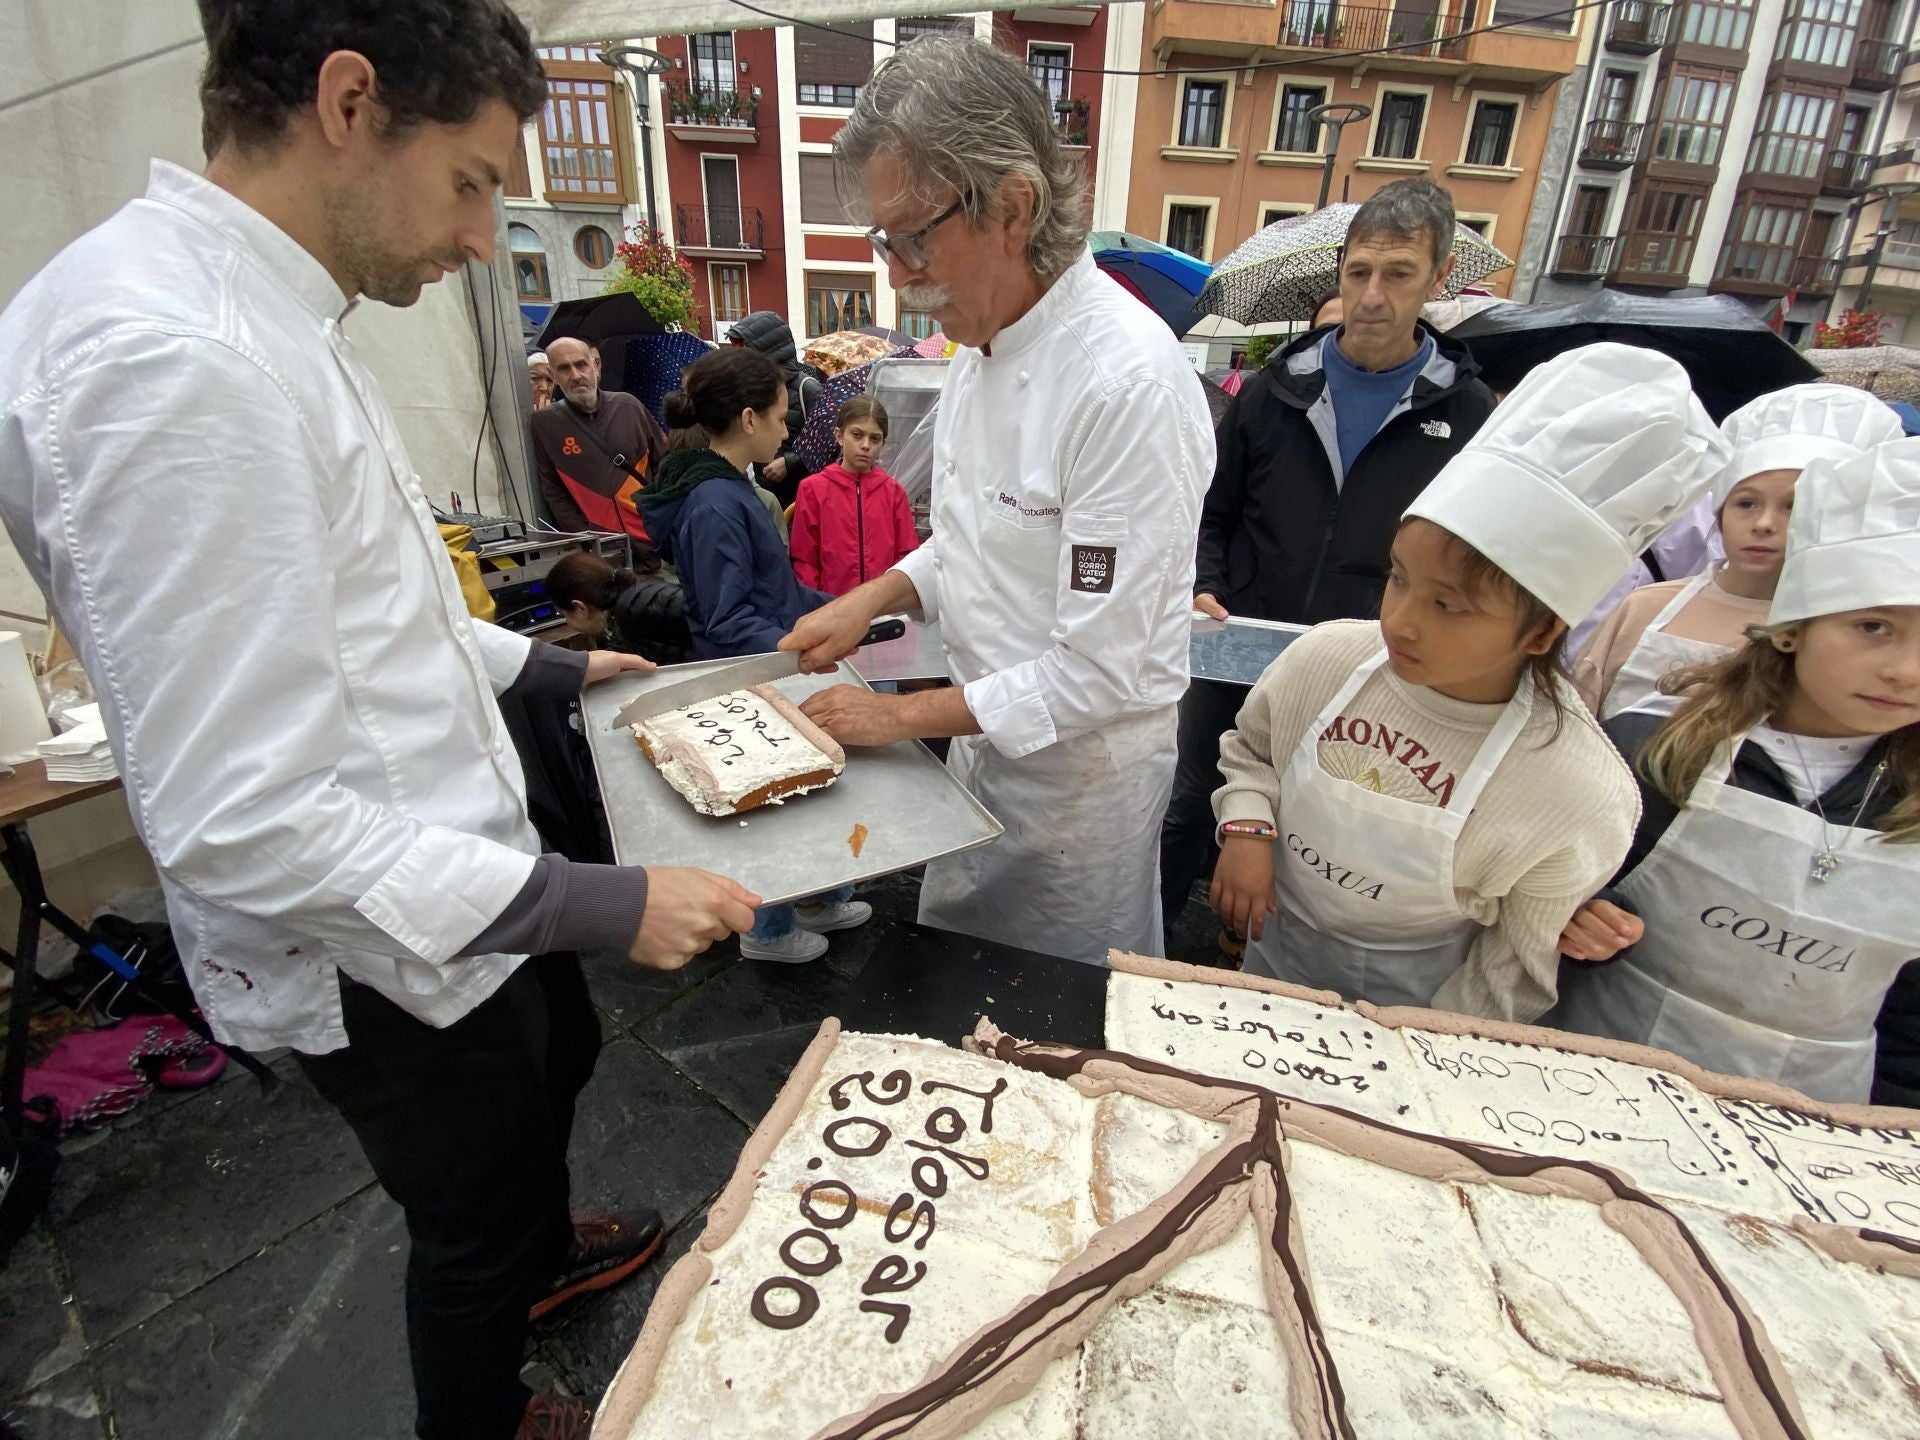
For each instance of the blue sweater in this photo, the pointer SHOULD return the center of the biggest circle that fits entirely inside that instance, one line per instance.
(1363, 399)
(740, 588)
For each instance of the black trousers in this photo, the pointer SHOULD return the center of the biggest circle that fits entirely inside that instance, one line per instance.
(467, 1129)
(1187, 847)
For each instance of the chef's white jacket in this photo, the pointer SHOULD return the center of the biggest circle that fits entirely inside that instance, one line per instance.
(211, 491)
(1069, 467)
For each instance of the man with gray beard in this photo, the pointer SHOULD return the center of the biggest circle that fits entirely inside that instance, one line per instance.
(1071, 453)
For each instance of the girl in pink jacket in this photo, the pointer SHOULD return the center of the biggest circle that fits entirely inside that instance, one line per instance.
(851, 521)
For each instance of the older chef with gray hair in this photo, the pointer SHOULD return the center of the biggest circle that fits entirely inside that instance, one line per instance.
(1071, 453)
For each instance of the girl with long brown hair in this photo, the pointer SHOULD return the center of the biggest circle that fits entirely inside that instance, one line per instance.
(1776, 869)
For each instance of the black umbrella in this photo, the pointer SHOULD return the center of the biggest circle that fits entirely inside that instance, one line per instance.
(1729, 353)
(608, 321)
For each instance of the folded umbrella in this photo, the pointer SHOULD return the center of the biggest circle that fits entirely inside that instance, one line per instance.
(1729, 353)
(1280, 272)
(1166, 281)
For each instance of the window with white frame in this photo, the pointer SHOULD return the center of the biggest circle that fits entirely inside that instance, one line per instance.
(1296, 133)
(1187, 229)
(1203, 113)
(1397, 132)
(712, 60)
(728, 284)
(920, 27)
(838, 302)
(1050, 65)
(918, 323)
(1490, 136)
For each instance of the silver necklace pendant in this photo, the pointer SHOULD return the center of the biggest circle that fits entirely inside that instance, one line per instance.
(1824, 864)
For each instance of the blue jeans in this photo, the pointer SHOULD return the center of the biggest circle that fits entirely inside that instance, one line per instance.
(774, 922)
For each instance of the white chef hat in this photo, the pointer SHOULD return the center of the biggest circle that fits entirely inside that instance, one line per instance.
(1592, 455)
(1854, 539)
(1791, 428)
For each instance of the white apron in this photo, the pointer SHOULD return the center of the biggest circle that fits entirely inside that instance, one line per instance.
(1078, 871)
(1636, 685)
(1749, 965)
(1364, 881)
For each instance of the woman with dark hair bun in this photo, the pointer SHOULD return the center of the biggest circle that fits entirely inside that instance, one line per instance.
(741, 592)
(645, 617)
(685, 432)
(702, 510)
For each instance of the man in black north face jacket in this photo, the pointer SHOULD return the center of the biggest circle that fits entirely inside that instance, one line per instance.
(1307, 495)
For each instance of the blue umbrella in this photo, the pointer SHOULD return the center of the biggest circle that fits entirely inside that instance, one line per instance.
(1168, 281)
(653, 364)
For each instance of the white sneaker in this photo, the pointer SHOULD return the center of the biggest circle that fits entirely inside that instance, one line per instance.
(796, 947)
(847, 915)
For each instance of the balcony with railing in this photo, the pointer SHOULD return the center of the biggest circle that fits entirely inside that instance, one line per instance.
(1325, 25)
(1847, 172)
(1897, 164)
(1070, 119)
(724, 231)
(1901, 254)
(1583, 257)
(1877, 63)
(723, 117)
(1612, 144)
(1639, 27)
(1816, 275)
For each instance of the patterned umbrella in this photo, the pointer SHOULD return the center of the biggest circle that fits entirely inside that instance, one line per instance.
(848, 350)
(1280, 271)
(1890, 371)
(652, 366)
(815, 443)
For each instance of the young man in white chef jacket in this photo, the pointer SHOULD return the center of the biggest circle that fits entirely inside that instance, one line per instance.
(213, 494)
(1071, 453)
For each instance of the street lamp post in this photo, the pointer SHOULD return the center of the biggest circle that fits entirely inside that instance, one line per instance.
(1335, 117)
(638, 63)
(1891, 196)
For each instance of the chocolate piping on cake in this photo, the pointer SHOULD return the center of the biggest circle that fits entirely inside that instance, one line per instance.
(1761, 1368)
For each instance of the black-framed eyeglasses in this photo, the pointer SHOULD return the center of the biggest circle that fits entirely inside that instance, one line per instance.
(911, 249)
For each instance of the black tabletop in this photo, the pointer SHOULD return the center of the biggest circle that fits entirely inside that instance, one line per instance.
(937, 984)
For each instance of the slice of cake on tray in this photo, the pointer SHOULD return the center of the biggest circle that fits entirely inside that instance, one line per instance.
(741, 750)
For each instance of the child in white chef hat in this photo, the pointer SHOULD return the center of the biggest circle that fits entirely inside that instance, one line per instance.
(1776, 869)
(1421, 803)
(1662, 628)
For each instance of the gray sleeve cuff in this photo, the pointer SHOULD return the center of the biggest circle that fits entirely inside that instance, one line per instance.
(567, 906)
(550, 670)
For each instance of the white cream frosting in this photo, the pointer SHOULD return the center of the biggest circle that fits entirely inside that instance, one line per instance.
(1304, 1051)
(1867, 1176)
(1452, 1306)
(743, 741)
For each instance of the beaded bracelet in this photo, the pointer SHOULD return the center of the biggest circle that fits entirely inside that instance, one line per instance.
(1248, 830)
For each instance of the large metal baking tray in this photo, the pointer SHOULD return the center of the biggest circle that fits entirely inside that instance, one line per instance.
(913, 809)
(916, 655)
(1237, 650)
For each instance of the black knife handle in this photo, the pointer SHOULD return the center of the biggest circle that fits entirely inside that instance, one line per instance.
(884, 631)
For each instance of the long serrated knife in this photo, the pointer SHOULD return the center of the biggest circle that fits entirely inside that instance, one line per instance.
(759, 670)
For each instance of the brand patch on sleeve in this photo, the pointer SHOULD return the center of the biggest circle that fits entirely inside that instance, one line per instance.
(1093, 569)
